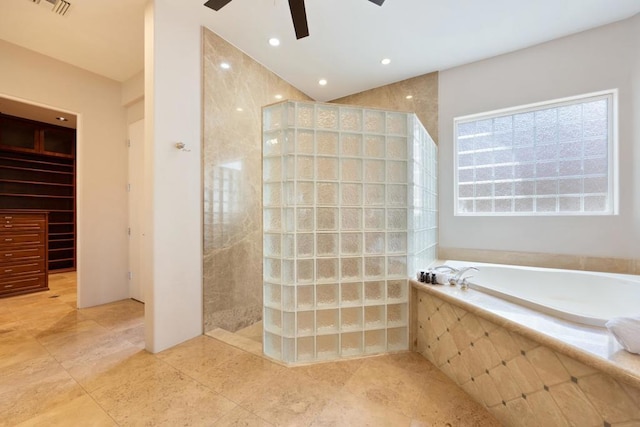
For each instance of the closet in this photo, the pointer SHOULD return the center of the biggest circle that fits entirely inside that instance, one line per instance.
(38, 174)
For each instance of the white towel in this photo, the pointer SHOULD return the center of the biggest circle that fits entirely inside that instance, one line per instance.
(627, 332)
(443, 278)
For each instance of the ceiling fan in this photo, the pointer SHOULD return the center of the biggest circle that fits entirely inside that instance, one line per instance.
(298, 13)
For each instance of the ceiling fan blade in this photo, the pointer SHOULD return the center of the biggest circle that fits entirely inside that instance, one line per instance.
(378, 2)
(217, 4)
(299, 17)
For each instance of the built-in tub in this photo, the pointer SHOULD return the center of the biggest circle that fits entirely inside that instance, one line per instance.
(521, 360)
(578, 296)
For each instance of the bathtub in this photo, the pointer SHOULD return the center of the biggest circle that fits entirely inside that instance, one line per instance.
(579, 296)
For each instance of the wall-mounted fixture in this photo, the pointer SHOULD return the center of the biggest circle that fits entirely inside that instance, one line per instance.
(182, 146)
(61, 7)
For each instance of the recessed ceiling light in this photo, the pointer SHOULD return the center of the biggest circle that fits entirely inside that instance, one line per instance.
(62, 119)
(385, 61)
(225, 65)
(322, 82)
(409, 96)
(278, 96)
(274, 41)
(239, 109)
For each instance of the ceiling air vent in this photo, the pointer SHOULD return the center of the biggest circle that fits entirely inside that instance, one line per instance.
(61, 7)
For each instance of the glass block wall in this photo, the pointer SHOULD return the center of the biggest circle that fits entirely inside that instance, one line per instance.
(350, 212)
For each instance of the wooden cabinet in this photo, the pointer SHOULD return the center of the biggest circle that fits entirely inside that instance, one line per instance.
(27, 136)
(18, 135)
(37, 173)
(23, 252)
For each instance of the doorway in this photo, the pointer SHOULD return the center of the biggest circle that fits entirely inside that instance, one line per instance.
(135, 189)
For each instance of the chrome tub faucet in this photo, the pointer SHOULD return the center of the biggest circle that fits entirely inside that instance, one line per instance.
(459, 278)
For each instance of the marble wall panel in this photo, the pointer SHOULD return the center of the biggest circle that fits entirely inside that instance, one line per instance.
(232, 156)
(423, 101)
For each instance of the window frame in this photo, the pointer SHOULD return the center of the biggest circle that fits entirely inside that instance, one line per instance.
(611, 95)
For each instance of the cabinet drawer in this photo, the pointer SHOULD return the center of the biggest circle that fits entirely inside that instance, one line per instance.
(17, 284)
(32, 267)
(20, 217)
(35, 225)
(13, 255)
(7, 239)
(21, 221)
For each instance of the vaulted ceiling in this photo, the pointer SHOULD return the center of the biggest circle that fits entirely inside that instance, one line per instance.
(348, 38)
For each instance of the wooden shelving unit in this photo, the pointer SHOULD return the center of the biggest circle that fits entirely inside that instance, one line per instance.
(38, 173)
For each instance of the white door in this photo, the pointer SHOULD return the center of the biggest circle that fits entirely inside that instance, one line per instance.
(136, 176)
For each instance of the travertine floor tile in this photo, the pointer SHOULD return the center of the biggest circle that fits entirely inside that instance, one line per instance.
(239, 417)
(292, 400)
(345, 409)
(443, 403)
(238, 341)
(198, 355)
(81, 411)
(120, 315)
(186, 403)
(71, 351)
(141, 388)
(253, 332)
(385, 385)
(68, 367)
(73, 331)
(135, 335)
(7, 317)
(239, 377)
(334, 373)
(19, 349)
(27, 372)
(30, 399)
(114, 368)
(410, 361)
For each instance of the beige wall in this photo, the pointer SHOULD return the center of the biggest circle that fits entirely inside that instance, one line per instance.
(101, 161)
(595, 60)
(233, 156)
(133, 97)
(172, 246)
(424, 99)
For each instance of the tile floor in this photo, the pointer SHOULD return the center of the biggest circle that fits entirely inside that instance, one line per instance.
(65, 367)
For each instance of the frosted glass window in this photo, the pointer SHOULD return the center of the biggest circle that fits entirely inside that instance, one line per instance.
(553, 158)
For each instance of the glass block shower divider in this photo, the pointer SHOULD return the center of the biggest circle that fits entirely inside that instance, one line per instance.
(349, 214)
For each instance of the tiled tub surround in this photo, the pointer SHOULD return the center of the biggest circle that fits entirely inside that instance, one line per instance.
(349, 209)
(526, 367)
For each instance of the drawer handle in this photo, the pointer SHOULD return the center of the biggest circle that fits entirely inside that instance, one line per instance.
(8, 286)
(8, 217)
(9, 270)
(8, 240)
(8, 226)
(8, 254)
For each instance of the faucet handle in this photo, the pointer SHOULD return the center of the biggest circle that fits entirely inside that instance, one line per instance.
(465, 284)
(446, 267)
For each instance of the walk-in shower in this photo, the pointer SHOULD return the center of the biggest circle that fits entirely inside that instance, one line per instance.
(349, 213)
